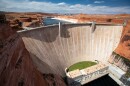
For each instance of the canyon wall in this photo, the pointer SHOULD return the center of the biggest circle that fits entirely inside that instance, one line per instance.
(57, 47)
(16, 67)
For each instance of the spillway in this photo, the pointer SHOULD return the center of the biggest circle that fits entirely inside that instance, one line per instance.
(56, 47)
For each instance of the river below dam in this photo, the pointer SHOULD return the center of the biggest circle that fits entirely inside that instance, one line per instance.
(103, 81)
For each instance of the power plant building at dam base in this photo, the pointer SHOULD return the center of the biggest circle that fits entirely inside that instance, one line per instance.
(56, 47)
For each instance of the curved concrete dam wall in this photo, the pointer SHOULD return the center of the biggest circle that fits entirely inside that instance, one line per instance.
(54, 48)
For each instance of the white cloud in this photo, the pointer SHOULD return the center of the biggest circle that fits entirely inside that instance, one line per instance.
(98, 2)
(35, 6)
(62, 3)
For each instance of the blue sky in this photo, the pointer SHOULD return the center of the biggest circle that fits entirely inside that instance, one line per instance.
(67, 6)
(113, 3)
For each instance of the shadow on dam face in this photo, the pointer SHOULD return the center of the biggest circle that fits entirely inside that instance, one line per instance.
(50, 34)
(44, 67)
(72, 43)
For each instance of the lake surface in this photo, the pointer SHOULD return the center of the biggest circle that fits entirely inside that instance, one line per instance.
(51, 21)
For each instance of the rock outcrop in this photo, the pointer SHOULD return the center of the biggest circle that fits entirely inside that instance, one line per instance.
(16, 67)
(123, 48)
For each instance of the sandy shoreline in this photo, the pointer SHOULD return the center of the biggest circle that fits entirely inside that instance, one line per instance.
(67, 20)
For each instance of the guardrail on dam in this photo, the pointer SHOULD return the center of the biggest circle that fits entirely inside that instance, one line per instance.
(53, 48)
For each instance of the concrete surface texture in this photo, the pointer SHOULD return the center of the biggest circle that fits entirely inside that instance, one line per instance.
(53, 49)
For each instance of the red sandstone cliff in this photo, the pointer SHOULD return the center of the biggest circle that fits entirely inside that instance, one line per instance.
(16, 67)
(124, 46)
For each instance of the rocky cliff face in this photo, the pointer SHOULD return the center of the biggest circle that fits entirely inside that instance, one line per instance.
(123, 48)
(16, 67)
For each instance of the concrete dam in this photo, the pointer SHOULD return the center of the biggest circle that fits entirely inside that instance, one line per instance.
(56, 47)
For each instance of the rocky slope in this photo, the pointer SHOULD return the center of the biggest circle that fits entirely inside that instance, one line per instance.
(124, 47)
(16, 67)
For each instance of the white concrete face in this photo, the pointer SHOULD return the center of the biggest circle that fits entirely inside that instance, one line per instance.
(52, 51)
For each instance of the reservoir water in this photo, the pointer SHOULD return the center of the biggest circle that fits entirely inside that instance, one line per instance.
(51, 21)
